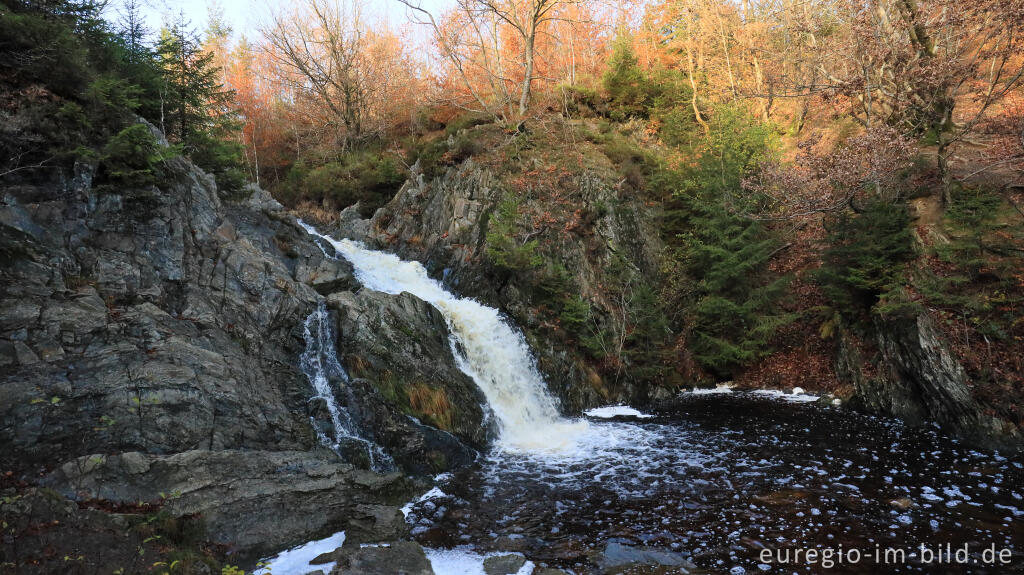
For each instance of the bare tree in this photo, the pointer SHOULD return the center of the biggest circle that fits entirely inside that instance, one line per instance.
(485, 22)
(319, 41)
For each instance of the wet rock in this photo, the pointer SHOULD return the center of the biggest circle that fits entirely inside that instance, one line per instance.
(517, 543)
(374, 523)
(549, 571)
(424, 410)
(402, 557)
(503, 564)
(325, 558)
(618, 557)
(920, 381)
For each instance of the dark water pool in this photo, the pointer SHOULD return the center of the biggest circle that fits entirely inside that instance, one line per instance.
(744, 484)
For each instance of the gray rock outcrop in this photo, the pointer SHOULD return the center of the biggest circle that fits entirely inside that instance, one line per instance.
(402, 557)
(918, 379)
(150, 342)
(254, 501)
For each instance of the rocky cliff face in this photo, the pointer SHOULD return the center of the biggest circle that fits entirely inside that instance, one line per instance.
(415, 400)
(444, 223)
(150, 342)
(914, 376)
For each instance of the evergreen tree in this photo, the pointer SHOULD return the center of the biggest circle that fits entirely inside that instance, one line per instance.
(734, 313)
(132, 29)
(733, 306)
(195, 97)
(624, 82)
(866, 257)
(196, 109)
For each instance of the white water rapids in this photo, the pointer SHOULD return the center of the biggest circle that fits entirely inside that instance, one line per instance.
(716, 477)
(485, 346)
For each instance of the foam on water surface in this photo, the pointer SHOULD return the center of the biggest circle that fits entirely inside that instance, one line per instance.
(465, 561)
(611, 411)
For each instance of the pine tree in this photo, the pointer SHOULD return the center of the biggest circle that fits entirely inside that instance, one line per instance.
(733, 309)
(624, 82)
(132, 29)
(196, 108)
(195, 97)
(733, 316)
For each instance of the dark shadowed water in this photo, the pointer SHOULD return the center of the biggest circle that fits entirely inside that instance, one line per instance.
(723, 478)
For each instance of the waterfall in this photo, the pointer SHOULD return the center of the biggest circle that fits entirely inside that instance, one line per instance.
(319, 362)
(485, 346)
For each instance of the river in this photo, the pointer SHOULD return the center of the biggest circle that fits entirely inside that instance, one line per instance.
(710, 482)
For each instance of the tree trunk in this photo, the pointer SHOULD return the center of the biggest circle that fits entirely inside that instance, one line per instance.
(524, 94)
(944, 173)
(693, 83)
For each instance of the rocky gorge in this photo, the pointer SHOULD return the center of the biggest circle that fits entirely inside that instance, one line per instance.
(151, 337)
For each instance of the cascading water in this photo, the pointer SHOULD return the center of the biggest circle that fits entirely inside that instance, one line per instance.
(715, 479)
(319, 362)
(485, 347)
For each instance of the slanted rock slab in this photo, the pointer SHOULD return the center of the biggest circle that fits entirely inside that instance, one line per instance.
(399, 558)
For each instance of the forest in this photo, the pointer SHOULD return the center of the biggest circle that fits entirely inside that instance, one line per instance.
(813, 164)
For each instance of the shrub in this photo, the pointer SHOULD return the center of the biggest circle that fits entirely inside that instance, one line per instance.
(365, 176)
(507, 253)
(466, 121)
(133, 156)
(111, 100)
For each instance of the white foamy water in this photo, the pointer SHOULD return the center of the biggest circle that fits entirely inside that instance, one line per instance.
(611, 411)
(319, 363)
(486, 348)
(465, 561)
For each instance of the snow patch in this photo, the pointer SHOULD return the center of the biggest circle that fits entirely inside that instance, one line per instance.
(296, 561)
(464, 561)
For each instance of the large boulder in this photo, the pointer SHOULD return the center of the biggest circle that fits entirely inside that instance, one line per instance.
(399, 558)
(424, 410)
